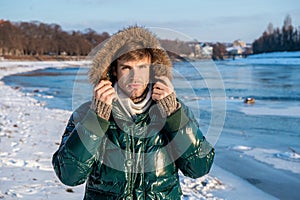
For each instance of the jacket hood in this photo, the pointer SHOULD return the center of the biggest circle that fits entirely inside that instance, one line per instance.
(107, 52)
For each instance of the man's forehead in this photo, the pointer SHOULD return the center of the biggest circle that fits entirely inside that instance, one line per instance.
(143, 61)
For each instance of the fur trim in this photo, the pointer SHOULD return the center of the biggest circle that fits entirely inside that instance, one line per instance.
(105, 53)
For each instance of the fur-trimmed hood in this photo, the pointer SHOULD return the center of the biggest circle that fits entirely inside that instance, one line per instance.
(105, 53)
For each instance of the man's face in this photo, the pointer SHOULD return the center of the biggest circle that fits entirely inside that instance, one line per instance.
(133, 76)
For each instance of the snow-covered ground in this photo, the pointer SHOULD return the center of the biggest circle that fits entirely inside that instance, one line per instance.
(30, 134)
(276, 158)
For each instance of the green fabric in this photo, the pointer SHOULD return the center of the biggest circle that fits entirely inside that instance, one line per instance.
(176, 121)
(98, 151)
(95, 124)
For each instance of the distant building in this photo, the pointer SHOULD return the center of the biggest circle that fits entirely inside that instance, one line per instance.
(239, 43)
(206, 50)
(239, 48)
(235, 50)
(197, 50)
(201, 50)
(63, 53)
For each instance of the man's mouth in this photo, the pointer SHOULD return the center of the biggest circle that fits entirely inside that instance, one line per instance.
(135, 85)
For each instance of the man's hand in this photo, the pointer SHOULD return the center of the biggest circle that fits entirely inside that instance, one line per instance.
(162, 88)
(105, 92)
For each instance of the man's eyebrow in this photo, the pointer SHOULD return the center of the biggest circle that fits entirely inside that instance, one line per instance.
(122, 65)
(144, 65)
(129, 66)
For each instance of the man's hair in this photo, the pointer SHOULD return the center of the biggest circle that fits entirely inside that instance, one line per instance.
(133, 51)
(136, 55)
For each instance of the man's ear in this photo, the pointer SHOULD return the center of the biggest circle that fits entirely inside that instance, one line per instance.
(113, 68)
(114, 71)
(113, 74)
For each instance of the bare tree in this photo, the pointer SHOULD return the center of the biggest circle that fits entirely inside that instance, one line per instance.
(287, 24)
(270, 29)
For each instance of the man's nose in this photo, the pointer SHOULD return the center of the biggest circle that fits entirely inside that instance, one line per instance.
(135, 73)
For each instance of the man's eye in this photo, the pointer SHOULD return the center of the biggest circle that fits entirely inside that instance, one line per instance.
(125, 68)
(144, 66)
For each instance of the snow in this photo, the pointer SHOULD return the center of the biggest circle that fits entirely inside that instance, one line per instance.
(292, 111)
(274, 58)
(26, 147)
(276, 158)
(237, 188)
(30, 134)
(241, 148)
(283, 54)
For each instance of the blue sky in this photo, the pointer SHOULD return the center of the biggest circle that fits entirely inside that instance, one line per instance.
(203, 20)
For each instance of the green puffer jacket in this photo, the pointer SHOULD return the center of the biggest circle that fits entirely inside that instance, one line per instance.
(126, 159)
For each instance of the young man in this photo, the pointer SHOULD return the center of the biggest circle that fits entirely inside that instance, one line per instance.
(131, 140)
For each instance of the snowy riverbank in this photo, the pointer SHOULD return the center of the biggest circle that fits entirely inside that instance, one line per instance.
(30, 134)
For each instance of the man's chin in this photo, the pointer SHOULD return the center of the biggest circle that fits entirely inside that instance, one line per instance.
(134, 95)
(130, 94)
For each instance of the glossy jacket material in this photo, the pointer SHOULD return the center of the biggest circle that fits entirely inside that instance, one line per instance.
(95, 150)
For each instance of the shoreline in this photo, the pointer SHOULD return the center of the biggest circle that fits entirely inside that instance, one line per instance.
(278, 183)
(25, 150)
(26, 147)
(42, 58)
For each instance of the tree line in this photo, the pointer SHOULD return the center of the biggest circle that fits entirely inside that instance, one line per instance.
(275, 39)
(37, 39)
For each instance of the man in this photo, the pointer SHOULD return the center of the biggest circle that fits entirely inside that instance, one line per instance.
(131, 140)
